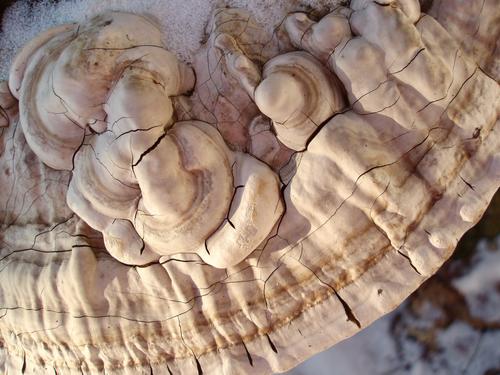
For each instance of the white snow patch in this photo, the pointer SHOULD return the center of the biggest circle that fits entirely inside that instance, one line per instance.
(371, 351)
(481, 286)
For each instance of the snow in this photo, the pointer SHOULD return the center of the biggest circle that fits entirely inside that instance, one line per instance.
(182, 22)
(373, 342)
(480, 284)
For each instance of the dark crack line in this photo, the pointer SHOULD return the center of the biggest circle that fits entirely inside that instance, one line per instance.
(122, 72)
(409, 62)
(137, 130)
(379, 111)
(218, 90)
(39, 330)
(479, 19)
(235, 190)
(109, 172)
(126, 169)
(209, 79)
(369, 92)
(112, 130)
(38, 197)
(245, 28)
(150, 148)
(276, 234)
(212, 289)
(66, 105)
(197, 362)
(487, 74)
(249, 356)
(321, 126)
(307, 31)
(456, 95)
(23, 367)
(123, 48)
(50, 230)
(347, 309)
(271, 344)
(88, 316)
(44, 251)
(467, 183)
(266, 281)
(5, 115)
(407, 257)
(73, 158)
(376, 199)
(449, 86)
(13, 167)
(27, 192)
(343, 47)
(275, 33)
(74, 122)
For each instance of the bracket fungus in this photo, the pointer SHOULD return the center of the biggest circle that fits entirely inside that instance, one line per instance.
(243, 213)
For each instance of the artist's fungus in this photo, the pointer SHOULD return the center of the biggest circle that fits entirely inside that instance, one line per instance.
(242, 214)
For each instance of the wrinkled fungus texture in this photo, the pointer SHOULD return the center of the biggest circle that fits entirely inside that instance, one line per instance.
(242, 213)
(96, 99)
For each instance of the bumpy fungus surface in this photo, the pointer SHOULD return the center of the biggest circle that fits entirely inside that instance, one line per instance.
(95, 99)
(301, 184)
